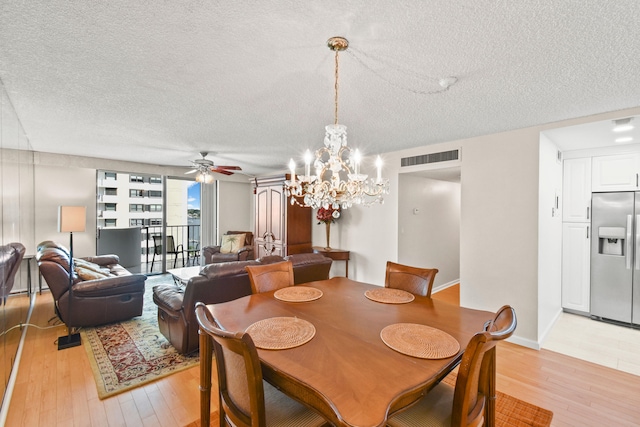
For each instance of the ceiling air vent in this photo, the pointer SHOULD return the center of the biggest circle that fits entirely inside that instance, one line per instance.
(424, 159)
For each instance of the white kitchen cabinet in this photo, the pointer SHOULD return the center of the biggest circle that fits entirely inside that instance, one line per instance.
(576, 191)
(576, 264)
(618, 172)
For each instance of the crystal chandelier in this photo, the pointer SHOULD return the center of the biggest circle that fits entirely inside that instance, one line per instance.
(337, 182)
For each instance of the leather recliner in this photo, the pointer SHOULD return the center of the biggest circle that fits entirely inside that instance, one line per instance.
(219, 283)
(118, 297)
(213, 255)
(11, 256)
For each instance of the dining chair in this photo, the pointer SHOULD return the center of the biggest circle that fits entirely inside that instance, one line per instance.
(245, 399)
(418, 281)
(464, 404)
(270, 277)
(172, 249)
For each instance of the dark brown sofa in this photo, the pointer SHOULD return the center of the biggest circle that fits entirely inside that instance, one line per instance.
(219, 283)
(114, 298)
(11, 256)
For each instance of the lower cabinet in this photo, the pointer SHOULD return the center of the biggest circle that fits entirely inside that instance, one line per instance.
(576, 264)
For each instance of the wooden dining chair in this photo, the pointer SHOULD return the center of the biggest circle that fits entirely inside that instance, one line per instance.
(463, 405)
(245, 399)
(270, 277)
(418, 281)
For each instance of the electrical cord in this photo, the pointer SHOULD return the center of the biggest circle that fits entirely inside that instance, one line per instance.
(20, 325)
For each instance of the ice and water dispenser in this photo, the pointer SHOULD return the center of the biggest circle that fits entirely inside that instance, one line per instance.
(611, 240)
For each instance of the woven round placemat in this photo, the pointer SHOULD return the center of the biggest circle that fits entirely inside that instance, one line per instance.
(297, 294)
(279, 333)
(389, 295)
(420, 341)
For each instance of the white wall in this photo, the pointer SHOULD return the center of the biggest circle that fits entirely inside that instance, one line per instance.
(429, 238)
(549, 237)
(235, 207)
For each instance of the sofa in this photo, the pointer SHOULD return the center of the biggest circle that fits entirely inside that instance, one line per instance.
(217, 283)
(244, 252)
(103, 290)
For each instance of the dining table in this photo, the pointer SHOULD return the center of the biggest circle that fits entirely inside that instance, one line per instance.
(346, 371)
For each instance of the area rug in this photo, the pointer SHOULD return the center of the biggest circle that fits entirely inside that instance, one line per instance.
(513, 412)
(129, 354)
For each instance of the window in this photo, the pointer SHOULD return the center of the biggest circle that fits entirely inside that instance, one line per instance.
(136, 208)
(110, 175)
(136, 222)
(136, 178)
(154, 193)
(110, 206)
(136, 193)
(110, 191)
(155, 180)
(155, 208)
(111, 222)
(155, 221)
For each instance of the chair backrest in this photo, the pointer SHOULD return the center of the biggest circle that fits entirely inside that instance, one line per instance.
(248, 237)
(239, 373)
(418, 281)
(472, 385)
(157, 244)
(270, 277)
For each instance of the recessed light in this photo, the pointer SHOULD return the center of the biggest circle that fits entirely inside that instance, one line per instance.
(624, 139)
(622, 125)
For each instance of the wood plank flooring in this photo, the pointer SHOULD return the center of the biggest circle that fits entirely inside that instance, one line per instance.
(56, 388)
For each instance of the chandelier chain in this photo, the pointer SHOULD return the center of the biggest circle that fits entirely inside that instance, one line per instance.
(336, 89)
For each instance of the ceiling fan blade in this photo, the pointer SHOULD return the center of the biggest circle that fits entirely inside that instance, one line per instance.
(222, 171)
(235, 168)
(191, 171)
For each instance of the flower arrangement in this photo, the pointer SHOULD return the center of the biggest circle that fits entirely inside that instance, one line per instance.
(328, 215)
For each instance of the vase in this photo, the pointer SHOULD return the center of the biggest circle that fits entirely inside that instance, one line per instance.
(328, 225)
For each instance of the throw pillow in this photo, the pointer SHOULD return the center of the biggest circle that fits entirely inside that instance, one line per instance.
(88, 265)
(231, 243)
(87, 274)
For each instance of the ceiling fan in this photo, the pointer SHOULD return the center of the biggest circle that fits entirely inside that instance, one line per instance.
(205, 165)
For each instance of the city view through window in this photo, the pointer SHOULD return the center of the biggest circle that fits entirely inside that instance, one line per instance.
(132, 208)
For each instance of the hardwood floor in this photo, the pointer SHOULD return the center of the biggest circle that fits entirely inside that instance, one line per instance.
(56, 388)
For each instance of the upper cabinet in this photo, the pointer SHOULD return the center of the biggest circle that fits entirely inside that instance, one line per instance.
(618, 172)
(576, 190)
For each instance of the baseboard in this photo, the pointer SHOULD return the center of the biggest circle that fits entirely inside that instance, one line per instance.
(444, 286)
(525, 342)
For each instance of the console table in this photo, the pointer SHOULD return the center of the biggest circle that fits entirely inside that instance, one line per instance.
(334, 254)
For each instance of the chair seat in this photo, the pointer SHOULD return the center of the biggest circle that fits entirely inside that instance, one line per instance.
(434, 410)
(283, 411)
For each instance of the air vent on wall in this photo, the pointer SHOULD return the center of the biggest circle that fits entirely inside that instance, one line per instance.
(444, 156)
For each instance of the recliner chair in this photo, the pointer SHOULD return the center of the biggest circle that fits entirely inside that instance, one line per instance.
(116, 297)
(213, 255)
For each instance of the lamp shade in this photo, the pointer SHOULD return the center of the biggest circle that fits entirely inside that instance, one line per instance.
(72, 219)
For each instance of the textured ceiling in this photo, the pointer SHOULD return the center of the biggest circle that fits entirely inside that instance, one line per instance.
(252, 82)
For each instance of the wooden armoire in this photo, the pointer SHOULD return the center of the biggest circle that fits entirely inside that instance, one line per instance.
(281, 228)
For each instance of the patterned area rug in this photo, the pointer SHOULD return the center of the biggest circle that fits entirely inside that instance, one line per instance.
(129, 354)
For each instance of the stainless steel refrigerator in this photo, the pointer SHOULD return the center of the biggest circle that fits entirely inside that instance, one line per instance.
(615, 256)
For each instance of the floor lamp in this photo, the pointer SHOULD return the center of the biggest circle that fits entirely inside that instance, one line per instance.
(71, 219)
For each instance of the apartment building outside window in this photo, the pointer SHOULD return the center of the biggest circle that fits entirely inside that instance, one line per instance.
(110, 191)
(110, 175)
(136, 178)
(155, 180)
(136, 208)
(154, 193)
(137, 222)
(154, 208)
(136, 193)
(110, 206)
(110, 222)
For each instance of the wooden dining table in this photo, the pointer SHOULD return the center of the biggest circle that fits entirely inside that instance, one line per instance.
(346, 372)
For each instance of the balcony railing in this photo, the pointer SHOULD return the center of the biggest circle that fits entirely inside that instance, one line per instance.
(186, 235)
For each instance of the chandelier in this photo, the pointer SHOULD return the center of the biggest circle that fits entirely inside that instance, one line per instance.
(337, 182)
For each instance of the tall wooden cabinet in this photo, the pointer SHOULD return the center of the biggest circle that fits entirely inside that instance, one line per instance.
(281, 228)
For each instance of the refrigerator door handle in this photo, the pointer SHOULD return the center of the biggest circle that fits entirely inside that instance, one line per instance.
(629, 247)
(637, 252)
